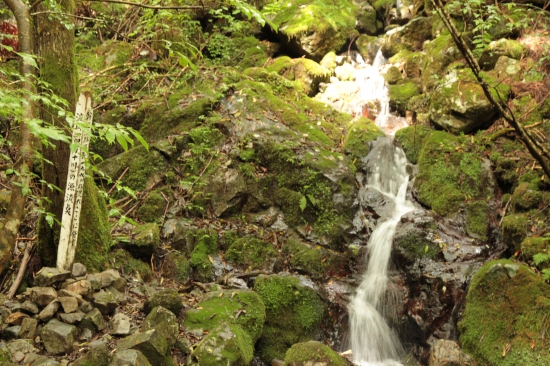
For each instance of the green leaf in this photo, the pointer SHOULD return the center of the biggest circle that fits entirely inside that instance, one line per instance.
(140, 138)
(122, 141)
(303, 203)
(540, 258)
(49, 220)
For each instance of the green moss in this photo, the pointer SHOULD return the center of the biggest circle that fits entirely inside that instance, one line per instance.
(359, 134)
(152, 208)
(293, 314)
(440, 52)
(200, 259)
(477, 219)
(250, 253)
(305, 353)
(411, 139)
(400, 95)
(448, 173)
(228, 344)
(219, 307)
(526, 196)
(504, 316)
(176, 266)
(307, 73)
(316, 261)
(131, 266)
(94, 235)
(393, 75)
(514, 230)
(415, 245)
(531, 246)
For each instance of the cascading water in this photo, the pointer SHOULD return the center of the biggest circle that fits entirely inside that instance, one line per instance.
(372, 340)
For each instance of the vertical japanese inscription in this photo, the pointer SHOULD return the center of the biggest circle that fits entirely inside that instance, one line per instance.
(75, 184)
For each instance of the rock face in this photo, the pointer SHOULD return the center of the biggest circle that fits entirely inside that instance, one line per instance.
(503, 297)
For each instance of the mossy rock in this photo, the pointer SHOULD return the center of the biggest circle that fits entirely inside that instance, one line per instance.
(531, 246)
(393, 75)
(145, 241)
(526, 196)
(314, 28)
(293, 314)
(368, 22)
(242, 307)
(250, 253)
(306, 72)
(400, 95)
(316, 261)
(477, 219)
(413, 245)
(359, 134)
(201, 257)
(504, 316)
(514, 230)
(152, 208)
(176, 266)
(368, 47)
(131, 266)
(313, 352)
(228, 344)
(502, 47)
(412, 63)
(94, 235)
(440, 53)
(409, 37)
(450, 171)
(411, 139)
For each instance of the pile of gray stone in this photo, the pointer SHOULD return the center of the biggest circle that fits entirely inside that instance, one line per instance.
(75, 315)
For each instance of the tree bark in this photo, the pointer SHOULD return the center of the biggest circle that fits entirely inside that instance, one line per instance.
(537, 150)
(57, 66)
(16, 207)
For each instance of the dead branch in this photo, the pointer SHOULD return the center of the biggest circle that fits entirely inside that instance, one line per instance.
(158, 7)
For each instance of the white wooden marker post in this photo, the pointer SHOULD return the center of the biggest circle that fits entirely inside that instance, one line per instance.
(75, 185)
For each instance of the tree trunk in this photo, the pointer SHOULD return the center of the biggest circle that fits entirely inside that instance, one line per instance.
(57, 65)
(16, 207)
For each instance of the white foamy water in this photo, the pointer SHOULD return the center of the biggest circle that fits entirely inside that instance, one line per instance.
(373, 342)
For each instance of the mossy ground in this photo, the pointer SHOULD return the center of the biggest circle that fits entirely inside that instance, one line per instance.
(293, 312)
(504, 316)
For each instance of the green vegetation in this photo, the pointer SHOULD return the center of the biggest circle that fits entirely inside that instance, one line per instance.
(250, 253)
(201, 256)
(302, 354)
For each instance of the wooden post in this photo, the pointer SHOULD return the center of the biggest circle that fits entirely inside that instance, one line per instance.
(75, 185)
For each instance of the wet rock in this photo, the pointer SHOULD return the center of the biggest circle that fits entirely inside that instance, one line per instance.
(227, 344)
(48, 276)
(58, 337)
(78, 270)
(97, 355)
(49, 311)
(151, 343)
(313, 353)
(448, 353)
(28, 328)
(165, 322)
(120, 324)
(105, 302)
(129, 357)
(167, 298)
(42, 296)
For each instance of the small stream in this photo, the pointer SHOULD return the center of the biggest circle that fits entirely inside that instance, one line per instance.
(373, 342)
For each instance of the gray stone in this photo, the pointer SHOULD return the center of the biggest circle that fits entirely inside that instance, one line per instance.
(83, 288)
(95, 280)
(42, 296)
(78, 270)
(22, 346)
(69, 304)
(48, 276)
(151, 343)
(49, 311)
(58, 337)
(86, 334)
(164, 321)
(105, 302)
(168, 299)
(29, 307)
(94, 320)
(98, 355)
(72, 318)
(129, 357)
(112, 278)
(44, 361)
(120, 298)
(448, 353)
(65, 292)
(86, 307)
(225, 345)
(11, 332)
(28, 328)
(120, 324)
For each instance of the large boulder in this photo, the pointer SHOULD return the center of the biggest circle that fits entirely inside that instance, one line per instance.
(228, 345)
(505, 315)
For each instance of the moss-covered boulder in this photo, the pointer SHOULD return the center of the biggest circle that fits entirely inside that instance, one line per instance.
(368, 47)
(250, 253)
(409, 37)
(145, 241)
(532, 246)
(367, 20)
(440, 53)
(477, 219)
(316, 261)
(244, 308)
(307, 73)
(514, 230)
(293, 314)
(412, 139)
(152, 208)
(401, 94)
(312, 353)
(131, 266)
(201, 257)
(176, 267)
(502, 47)
(505, 314)
(450, 172)
(228, 344)
(313, 28)
(393, 75)
(359, 133)
(459, 104)
(526, 196)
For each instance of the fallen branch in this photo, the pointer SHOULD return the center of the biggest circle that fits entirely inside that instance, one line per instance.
(22, 268)
(175, 7)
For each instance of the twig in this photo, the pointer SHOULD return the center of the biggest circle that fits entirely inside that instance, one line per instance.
(165, 208)
(118, 180)
(504, 212)
(27, 239)
(188, 7)
(22, 268)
